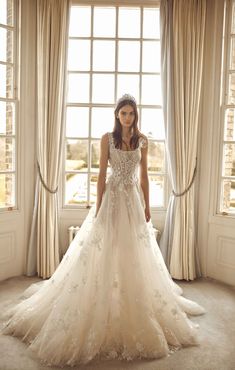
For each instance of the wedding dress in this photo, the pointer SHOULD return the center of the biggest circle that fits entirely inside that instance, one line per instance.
(111, 296)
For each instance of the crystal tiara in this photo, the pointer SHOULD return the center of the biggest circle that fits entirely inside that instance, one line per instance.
(126, 97)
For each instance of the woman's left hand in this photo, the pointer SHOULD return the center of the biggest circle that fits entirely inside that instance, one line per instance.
(147, 214)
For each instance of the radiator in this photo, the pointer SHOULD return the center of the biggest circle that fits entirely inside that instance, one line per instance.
(72, 231)
(157, 234)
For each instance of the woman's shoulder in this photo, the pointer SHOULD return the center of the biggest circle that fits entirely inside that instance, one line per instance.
(105, 137)
(142, 136)
(143, 140)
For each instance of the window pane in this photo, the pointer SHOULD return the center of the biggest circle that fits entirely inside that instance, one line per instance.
(129, 56)
(104, 22)
(78, 88)
(79, 55)
(232, 54)
(7, 154)
(233, 20)
(152, 123)
(7, 12)
(231, 92)
(151, 90)
(103, 55)
(103, 88)
(6, 78)
(77, 122)
(76, 155)
(93, 188)
(156, 154)
(128, 84)
(151, 27)
(129, 22)
(229, 128)
(80, 21)
(7, 190)
(76, 189)
(156, 190)
(6, 45)
(7, 118)
(102, 121)
(228, 196)
(229, 160)
(95, 155)
(151, 56)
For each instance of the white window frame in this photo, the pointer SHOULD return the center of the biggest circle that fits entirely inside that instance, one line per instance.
(122, 3)
(15, 100)
(225, 72)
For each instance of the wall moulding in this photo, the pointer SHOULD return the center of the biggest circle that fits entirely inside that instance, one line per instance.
(7, 247)
(225, 249)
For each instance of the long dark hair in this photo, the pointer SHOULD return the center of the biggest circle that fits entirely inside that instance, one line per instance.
(117, 130)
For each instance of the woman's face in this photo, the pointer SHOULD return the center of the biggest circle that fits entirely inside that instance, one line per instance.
(126, 116)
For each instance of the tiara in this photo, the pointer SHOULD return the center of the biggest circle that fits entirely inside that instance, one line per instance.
(127, 97)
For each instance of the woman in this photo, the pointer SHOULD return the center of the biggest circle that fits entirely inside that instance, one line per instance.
(126, 136)
(111, 296)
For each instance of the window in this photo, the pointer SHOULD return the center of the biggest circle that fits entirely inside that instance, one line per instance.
(8, 101)
(112, 50)
(227, 188)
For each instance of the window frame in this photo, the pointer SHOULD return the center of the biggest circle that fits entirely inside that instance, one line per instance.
(15, 100)
(90, 105)
(224, 94)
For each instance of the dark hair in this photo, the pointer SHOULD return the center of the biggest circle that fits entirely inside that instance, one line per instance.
(117, 130)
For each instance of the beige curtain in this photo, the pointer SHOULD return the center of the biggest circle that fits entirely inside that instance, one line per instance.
(182, 25)
(52, 35)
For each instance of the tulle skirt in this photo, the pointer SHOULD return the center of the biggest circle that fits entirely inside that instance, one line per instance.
(110, 297)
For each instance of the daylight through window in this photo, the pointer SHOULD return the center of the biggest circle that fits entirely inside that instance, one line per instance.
(112, 51)
(227, 199)
(7, 104)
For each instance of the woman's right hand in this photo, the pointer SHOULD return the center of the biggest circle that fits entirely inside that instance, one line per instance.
(147, 214)
(104, 153)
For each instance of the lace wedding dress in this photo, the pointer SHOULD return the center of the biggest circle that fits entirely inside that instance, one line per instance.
(111, 296)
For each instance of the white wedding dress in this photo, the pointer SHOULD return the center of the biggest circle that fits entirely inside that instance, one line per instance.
(111, 296)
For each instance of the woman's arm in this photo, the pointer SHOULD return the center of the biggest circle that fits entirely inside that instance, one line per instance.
(104, 154)
(144, 180)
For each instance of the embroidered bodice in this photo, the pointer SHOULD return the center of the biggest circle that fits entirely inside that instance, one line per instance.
(124, 164)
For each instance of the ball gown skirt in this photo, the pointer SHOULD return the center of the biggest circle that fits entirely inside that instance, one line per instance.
(111, 296)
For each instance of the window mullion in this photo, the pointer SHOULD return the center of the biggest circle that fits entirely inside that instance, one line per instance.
(116, 54)
(141, 58)
(90, 108)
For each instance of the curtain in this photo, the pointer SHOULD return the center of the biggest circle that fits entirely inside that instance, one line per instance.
(52, 35)
(182, 29)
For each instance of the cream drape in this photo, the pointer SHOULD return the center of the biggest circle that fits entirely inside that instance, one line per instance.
(52, 35)
(182, 25)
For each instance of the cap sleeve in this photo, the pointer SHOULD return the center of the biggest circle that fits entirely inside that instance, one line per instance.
(143, 143)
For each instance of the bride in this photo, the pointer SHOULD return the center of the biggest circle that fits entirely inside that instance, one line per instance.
(111, 296)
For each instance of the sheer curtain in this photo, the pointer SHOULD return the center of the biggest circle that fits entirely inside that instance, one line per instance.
(182, 43)
(52, 32)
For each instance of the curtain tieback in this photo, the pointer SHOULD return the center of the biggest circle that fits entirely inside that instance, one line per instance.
(43, 182)
(190, 184)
